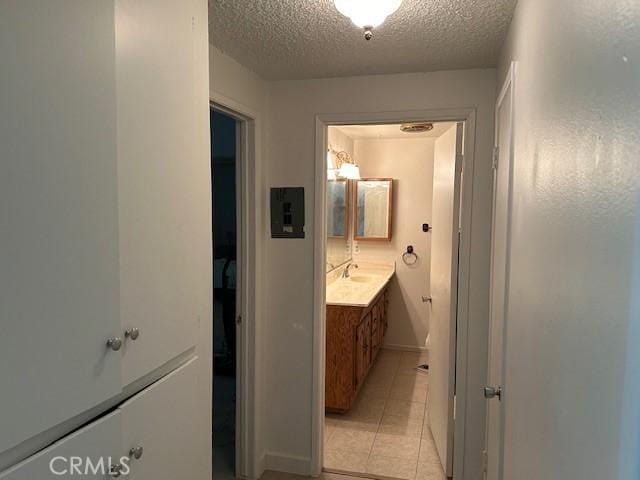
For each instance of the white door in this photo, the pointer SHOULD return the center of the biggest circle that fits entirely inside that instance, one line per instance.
(447, 174)
(499, 278)
(160, 426)
(59, 286)
(86, 453)
(162, 177)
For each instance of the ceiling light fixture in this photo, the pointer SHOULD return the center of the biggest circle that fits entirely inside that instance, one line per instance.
(367, 14)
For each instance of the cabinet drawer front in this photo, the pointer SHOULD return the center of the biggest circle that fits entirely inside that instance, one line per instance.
(163, 420)
(86, 453)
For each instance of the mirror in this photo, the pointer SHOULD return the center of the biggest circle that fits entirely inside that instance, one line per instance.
(338, 207)
(373, 198)
(337, 211)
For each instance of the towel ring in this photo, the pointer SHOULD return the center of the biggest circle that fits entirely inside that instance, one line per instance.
(410, 257)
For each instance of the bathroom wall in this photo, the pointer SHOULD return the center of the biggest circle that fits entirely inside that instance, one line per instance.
(339, 249)
(409, 161)
(573, 318)
(288, 275)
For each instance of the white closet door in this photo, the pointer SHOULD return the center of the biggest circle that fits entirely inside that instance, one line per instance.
(164, 182)
(59, 279)
(98, 442)
(162, 420)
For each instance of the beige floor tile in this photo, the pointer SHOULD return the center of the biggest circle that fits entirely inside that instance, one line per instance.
(391, 467)
(397, 446)
(406, 390)
(428, 452)
(271, 475)
(411, 378)
(372, 390)
(363, 425)
(346, 461)
(366, 409)
(397, 425)
(429, 471)
(354, 441)
(405, 408)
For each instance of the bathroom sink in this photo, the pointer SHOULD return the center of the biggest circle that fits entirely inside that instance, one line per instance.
(362, 278)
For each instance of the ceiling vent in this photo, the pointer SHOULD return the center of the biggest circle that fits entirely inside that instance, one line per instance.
(420, 127)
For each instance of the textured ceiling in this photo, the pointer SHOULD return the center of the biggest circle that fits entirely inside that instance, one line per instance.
(359, 132)
(289, 39)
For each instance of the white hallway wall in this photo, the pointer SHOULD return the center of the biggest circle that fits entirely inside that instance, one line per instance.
(409, 161)
(573, 376)
(288, 275)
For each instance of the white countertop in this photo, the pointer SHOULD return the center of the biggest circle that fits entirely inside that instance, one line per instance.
(361, 287)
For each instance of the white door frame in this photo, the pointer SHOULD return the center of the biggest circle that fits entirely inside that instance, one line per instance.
(246, 415)
(466, 115)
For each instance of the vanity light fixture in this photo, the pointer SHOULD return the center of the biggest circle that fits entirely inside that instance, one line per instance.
(344, 166)
(367, 14)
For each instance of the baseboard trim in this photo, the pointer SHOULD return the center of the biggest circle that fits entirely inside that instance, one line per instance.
(287, 463)
(404, 348)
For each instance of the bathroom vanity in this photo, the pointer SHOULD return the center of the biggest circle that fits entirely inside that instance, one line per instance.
(355, 328)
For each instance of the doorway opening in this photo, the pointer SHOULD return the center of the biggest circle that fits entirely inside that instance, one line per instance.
(391, 294)
(224, 172)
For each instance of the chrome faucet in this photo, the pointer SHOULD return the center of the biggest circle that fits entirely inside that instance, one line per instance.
(345, 273)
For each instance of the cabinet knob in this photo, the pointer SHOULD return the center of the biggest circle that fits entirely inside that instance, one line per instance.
(115, 471)
(132, 333)
(136, 452)
(114, 343)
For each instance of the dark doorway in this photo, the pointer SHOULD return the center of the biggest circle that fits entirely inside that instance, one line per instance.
(223, 179)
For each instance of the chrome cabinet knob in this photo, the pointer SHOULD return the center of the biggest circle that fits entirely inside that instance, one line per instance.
(114, 343)
(493, 392)
(136, 452)
(132, 333)
(115, 471)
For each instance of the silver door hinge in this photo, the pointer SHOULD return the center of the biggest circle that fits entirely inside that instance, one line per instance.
(455, 403)
(239, 319)
(496, 156)
(485, 461)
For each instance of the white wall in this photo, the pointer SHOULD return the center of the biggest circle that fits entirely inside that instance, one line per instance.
(572, 372)
(288, 276)
(409, 161)
(236, 87)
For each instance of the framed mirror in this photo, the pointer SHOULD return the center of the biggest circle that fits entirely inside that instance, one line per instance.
(373, 206)
(337, 208)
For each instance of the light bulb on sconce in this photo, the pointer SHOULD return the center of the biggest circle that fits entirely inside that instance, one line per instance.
(341, 165)
(367, 14)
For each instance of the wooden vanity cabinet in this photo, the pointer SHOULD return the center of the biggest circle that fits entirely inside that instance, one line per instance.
(354, 338)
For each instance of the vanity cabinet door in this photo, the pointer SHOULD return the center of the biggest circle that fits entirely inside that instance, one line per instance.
(376, 330)
(160, 425)
(362, 348)
(91, 449)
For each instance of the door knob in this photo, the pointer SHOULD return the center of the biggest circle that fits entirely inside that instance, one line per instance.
(132, 333)
(115, 471)
(114, 343)
(136, 452)
(492, 392)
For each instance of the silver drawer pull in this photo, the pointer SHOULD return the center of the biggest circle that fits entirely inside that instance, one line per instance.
(132, 333)
(114, 343)
(136, 452)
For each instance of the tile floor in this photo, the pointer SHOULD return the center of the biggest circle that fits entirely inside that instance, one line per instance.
(386, 433)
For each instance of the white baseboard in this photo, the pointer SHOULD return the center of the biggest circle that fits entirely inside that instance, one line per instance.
(287, 463)
(405, 348)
